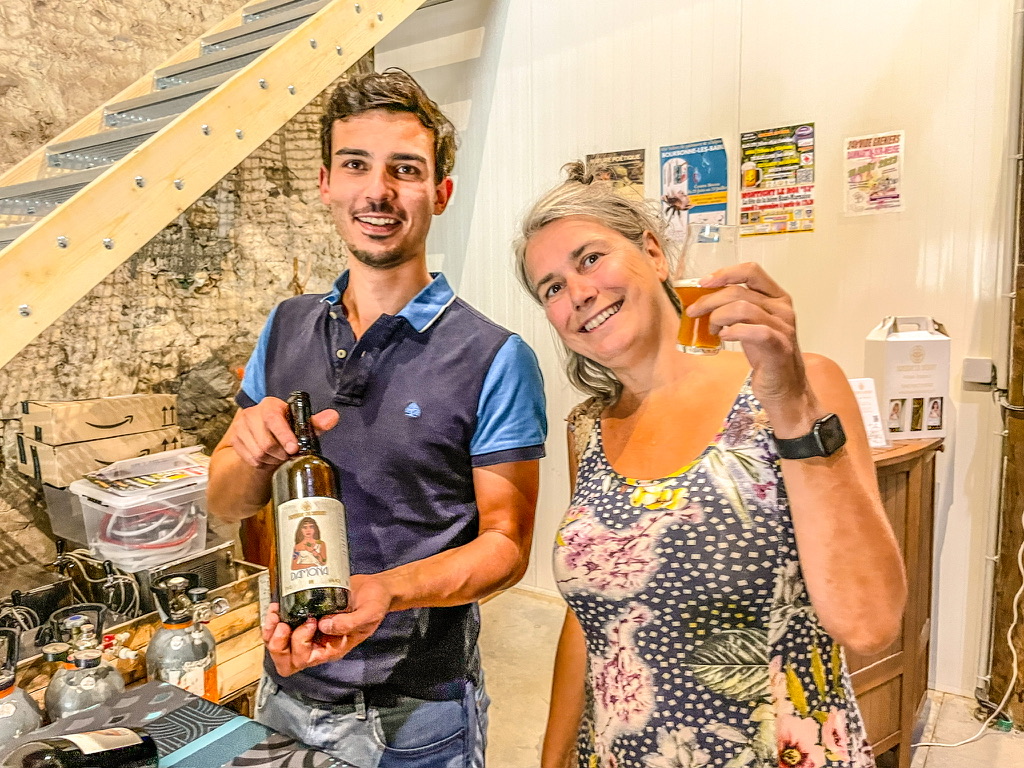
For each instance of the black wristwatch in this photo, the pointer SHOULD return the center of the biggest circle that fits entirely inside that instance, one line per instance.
(825, 438)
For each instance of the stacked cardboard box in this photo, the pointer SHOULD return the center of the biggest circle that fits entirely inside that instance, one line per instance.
(60, 441)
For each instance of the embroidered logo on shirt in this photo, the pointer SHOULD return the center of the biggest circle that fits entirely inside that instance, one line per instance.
(412, 410)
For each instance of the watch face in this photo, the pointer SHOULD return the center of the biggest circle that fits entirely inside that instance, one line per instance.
(831, 436)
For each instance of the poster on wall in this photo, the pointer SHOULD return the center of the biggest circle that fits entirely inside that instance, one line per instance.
(623, 170)
(874, 173)
(694, 184)
(777, 180)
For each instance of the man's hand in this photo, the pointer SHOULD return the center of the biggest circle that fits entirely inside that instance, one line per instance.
(262, 437)
(309, 644)
(369, 602)
(295, 650)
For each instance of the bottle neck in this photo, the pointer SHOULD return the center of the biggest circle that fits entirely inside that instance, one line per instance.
(301, 417)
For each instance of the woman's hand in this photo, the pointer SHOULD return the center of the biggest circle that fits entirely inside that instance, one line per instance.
(753, 309)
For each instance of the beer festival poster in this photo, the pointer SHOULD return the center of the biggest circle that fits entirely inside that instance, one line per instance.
(694, 185)
(777, 180)
(874, 173)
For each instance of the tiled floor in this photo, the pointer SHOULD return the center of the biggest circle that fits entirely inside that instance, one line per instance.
(520, 630)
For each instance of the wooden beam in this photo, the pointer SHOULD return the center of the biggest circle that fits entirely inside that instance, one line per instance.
(108, 221)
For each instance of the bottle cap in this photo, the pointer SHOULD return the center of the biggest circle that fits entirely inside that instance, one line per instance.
(87, 658)
(56, 651)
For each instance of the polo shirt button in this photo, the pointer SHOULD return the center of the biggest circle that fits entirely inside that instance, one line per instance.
(342, 354)
(334, 315)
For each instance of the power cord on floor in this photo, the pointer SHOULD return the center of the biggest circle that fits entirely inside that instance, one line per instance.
(1013, 653)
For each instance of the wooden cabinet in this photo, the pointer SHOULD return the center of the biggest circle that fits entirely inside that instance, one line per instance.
(891, 685)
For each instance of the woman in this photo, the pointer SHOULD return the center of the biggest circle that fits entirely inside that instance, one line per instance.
(309, 548)
(710, 581)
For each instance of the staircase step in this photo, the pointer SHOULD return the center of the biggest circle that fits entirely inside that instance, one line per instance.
(269, 7)
(9, 234)
(153, 106)
(102, 148)
(271, 25)
(38, 198)
(213, 64)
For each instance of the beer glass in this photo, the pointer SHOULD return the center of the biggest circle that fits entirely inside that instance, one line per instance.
(706, 248)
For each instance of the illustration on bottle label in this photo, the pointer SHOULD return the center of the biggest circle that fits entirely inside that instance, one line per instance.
(311, 537)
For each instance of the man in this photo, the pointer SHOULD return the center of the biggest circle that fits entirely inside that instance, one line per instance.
(441, 431)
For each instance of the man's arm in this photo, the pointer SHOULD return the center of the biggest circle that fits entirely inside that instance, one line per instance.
(258, 441)
(506, 496)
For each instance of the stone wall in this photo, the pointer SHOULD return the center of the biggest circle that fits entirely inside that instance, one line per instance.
(183, 313)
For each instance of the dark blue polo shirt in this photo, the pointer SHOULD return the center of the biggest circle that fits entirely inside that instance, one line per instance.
(424, 397)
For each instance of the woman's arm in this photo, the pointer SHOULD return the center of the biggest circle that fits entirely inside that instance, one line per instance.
(567, 696)
(849, 556)
(848, 553)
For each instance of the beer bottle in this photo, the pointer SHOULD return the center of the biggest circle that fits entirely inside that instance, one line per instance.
(312, 535)
(917, 415)
(109, 748)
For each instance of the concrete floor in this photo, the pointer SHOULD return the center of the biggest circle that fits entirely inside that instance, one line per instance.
(520, 630)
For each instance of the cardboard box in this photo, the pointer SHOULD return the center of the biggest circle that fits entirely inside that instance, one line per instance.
(908, 357)
(61, 465)
(59, 422)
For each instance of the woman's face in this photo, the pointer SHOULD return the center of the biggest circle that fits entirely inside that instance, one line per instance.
(601, 293)
(308, 530)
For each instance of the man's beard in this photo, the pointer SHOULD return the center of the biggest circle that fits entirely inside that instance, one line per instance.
(380, 259)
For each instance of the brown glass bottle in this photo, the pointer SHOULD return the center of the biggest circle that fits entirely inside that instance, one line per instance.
(312, 542)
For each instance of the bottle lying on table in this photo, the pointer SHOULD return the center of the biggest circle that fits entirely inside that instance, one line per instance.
(109, 748)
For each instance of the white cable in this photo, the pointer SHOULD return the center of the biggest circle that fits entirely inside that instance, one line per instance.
(22, 615)
(129, 597)
(1013, 652)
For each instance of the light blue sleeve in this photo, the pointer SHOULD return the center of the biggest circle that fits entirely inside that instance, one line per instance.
(511, 422)
(254, 380)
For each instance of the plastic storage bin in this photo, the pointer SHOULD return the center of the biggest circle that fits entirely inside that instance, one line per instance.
(145, 512)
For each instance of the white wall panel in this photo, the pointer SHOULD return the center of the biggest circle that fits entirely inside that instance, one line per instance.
(541, 82)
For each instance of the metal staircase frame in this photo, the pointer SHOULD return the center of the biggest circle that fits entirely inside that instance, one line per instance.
(59, 259)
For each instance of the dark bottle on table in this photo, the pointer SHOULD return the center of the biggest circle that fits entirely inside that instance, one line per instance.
(312, 536)
(109, 748)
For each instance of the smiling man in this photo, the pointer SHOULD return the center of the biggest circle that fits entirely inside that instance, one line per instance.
(434, 416)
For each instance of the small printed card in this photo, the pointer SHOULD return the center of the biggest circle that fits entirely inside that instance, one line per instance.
(864, 389)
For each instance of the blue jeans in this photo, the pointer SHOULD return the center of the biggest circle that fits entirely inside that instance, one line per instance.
(415, 733)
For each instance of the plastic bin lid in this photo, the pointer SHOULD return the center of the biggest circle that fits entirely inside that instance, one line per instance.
(133, 481)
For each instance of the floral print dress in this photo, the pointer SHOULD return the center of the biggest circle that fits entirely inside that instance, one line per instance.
(702, 646)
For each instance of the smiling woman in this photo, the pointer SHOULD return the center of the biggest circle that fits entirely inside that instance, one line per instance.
(631, 220)
(705, 556)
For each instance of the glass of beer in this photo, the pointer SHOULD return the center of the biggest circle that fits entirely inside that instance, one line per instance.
(707, 247)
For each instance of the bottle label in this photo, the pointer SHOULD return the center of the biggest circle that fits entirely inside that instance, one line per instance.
(191, 677)
(6, 710)
(108, 738)
(312, 544)
(87, 683)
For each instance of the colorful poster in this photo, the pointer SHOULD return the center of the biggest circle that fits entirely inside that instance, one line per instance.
(694, 184)
(874, 173)
(623, 170)
(777, 180)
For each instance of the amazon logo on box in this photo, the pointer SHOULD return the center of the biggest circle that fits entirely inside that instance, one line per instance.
(60, 422)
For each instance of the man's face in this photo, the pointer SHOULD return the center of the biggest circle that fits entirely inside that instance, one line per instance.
(381, 188)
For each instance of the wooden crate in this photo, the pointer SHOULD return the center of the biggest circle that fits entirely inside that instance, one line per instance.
(237, 632)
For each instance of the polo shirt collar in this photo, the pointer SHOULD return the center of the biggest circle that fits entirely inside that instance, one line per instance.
(422, 311)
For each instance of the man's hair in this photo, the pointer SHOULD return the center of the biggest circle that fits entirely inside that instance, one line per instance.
(396, 91)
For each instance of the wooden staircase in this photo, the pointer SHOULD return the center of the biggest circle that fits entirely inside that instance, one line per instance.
(74, 210)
